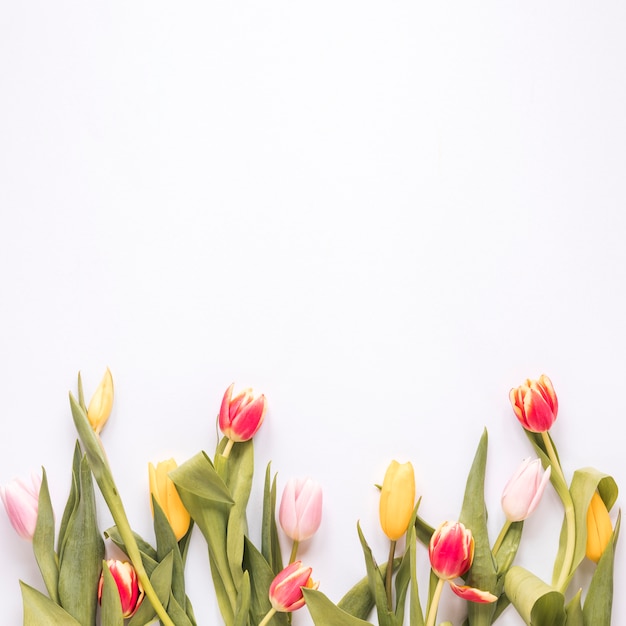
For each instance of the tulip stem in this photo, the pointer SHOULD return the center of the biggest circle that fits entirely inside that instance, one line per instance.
(294, 551)
(267, 617)
(570, 517)
(501, 536)
(389, 574)
(434, 605)
(229, 446)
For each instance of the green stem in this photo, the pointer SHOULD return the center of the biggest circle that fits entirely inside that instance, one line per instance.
(294, 551)
(501, 536)
(389, 574)
(570, 517)
(229, 446)
(104, 477)
(267, 617)
(432, 611)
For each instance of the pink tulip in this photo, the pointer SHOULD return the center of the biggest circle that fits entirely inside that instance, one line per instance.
(240, 417)
(523, 492)
(21, 502)
(535, 404)
(128, 585)
(451, 550)
(300, 512)
(286, 589)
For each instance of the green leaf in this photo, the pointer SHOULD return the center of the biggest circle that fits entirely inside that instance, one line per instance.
(599, 599)
(111, 613)
(270, 546)
(423, 530)
(43, 541)
(482, 574)
(177, 613)
(80, 562)
(538, 603)
(325, 613)
(386, 617)
(72, 499)
(39, 609)
(208, 500)
(359, 600)
(167, 544)
(416, 615)
(242, 610)
(261, 577)
(584, 483)
(574, 612)
(198, 477)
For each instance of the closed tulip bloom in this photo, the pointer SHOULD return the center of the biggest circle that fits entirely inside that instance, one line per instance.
(101, 403)
(286, 589)
(523, 492)
(21, 502)
(164, 492)
(300, 512)
(240, 417)
(451, 550)
(599, 529)
(397, 499)
(128, 585)
(535, 404)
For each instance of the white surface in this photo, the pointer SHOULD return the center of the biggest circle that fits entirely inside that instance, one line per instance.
(383, 215)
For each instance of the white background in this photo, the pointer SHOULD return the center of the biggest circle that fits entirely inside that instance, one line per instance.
(382, 215)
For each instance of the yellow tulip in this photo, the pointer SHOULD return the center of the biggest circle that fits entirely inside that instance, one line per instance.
(397, 499)
(599, 529)
(166, 496)
(101, 403)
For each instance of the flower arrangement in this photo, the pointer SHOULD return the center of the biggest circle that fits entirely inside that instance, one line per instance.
(254, 586)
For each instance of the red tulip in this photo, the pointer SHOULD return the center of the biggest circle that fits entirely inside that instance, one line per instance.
(535, 404)
(240, 417)
(286, 589)
(128, 586)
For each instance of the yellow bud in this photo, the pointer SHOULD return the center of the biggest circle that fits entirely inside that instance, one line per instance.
(599, 529)
(101, 403)
(397, 499)
(164, 492)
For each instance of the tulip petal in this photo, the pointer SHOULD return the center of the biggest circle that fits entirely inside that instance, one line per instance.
(472, 594)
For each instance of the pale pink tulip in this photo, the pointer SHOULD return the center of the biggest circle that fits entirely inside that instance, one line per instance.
(300, 512)
(21, 502)
(523, 492)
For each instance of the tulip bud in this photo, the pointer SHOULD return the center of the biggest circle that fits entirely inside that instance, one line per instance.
(535, 404)
(128, 585)
(523, 492)
(286, 588)
(451, 550)
(599, 529)
(164, 492)
(300, 512)
(101, 403)
(21, 502)
(397, 499)
(240, 417)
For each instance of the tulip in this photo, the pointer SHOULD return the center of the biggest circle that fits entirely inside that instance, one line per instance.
(101, 403)
(535, 404)
(128, 586)
(599, 529)
(451, 552)
(240, 417)
(21, 502)
(164, 492)
(286, 589)
(523, 492)
(397, 499)
(300, 512)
